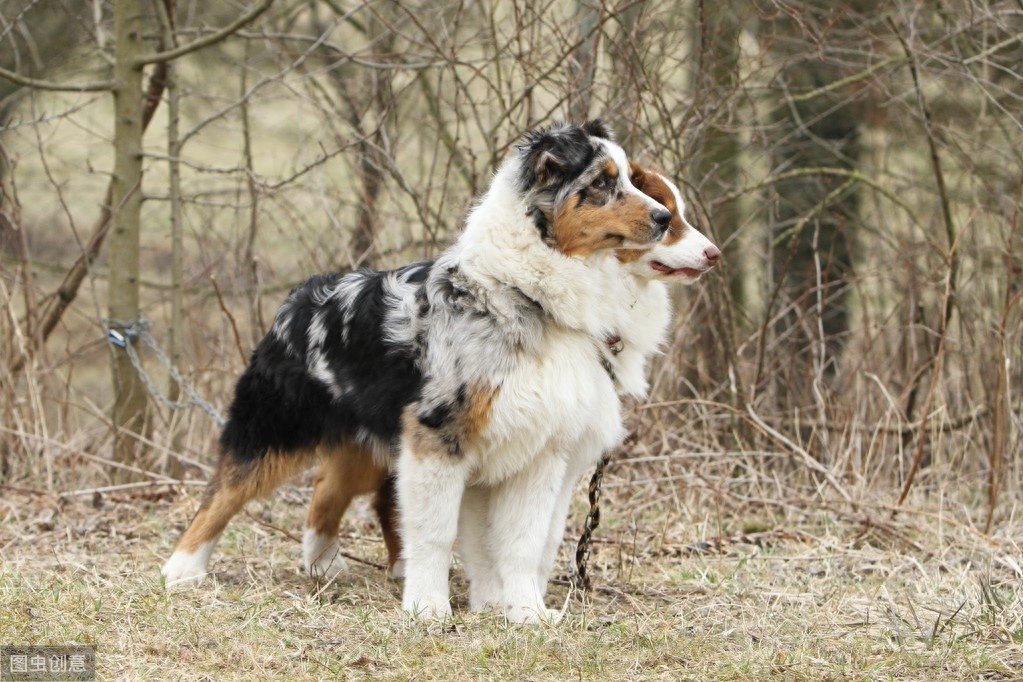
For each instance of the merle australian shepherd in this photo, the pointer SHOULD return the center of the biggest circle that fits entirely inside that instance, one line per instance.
(480, 377)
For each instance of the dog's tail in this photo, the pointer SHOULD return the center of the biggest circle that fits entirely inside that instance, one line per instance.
(277, 409)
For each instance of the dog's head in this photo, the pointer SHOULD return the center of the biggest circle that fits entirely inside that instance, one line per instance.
(684, 254)
(575, 180)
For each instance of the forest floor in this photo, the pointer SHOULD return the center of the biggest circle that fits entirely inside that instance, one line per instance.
(816, 595)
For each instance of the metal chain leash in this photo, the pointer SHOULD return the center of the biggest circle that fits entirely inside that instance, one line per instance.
(123, 335)
(582, 551)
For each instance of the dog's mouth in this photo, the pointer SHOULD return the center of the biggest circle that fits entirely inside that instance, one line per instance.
(681, 273)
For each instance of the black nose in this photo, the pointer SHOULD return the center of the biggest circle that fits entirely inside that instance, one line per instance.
(661, 218)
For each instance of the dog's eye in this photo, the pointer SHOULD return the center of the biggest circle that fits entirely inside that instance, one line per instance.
(604, 182)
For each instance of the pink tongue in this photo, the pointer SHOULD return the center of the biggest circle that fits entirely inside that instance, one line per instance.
(661, 267)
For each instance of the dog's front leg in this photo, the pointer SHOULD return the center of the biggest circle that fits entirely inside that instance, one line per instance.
(430, 488)
(522, 508)
(555, 532)
(474, 538)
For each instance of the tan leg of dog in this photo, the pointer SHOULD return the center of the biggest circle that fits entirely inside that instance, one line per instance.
(345, 472)
(232, 485)
(386, 505)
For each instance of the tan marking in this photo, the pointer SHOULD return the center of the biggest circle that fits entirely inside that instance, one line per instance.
(230, 488)
(423, 441)
(480, 405)
(209, 521)
(629, 255)
(636, 173)
(654, 186)
(580, 230)
(345, 472)
(450, 438)
(657, 189)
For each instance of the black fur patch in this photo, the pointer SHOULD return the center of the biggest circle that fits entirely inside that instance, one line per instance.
(554, 155)
(281, 407)
(542, 222)
(597, 128)
(436, 417)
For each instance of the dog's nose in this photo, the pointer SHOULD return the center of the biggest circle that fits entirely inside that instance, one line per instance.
(661, 218)
(712, 254)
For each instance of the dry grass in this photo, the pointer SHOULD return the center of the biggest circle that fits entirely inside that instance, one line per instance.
(809, 594)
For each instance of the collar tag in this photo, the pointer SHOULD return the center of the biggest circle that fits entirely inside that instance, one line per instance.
(615, 344)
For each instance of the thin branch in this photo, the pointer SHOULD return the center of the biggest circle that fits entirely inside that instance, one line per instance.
(206, 41)
(36, 84)
(230, 318)
(849, 80)
(809, 461)
(148, 485)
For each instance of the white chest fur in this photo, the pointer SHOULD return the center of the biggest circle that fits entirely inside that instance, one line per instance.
(558, 404)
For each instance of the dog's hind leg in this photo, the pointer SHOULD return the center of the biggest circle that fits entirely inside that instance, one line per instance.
(386, 505)
(233, 484)
(345, 472)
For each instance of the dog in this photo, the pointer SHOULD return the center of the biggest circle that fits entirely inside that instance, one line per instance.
(351, 469)
(452, 361)
(682, 257)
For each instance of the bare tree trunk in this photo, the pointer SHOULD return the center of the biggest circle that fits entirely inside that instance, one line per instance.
(177, 313)
(584, 61)
(815, 213)
(130, 399)
(716, 168)
(371, 170)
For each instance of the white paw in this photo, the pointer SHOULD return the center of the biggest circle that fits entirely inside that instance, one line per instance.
(485, 596)
(397, 572)
(321, 555)
(184, 569)
(327, 568)
(484, 606)
(528, 615)
(428, 609)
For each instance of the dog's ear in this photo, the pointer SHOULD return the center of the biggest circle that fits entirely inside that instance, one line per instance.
(549, 154)
(637, 176)
(597, 128)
